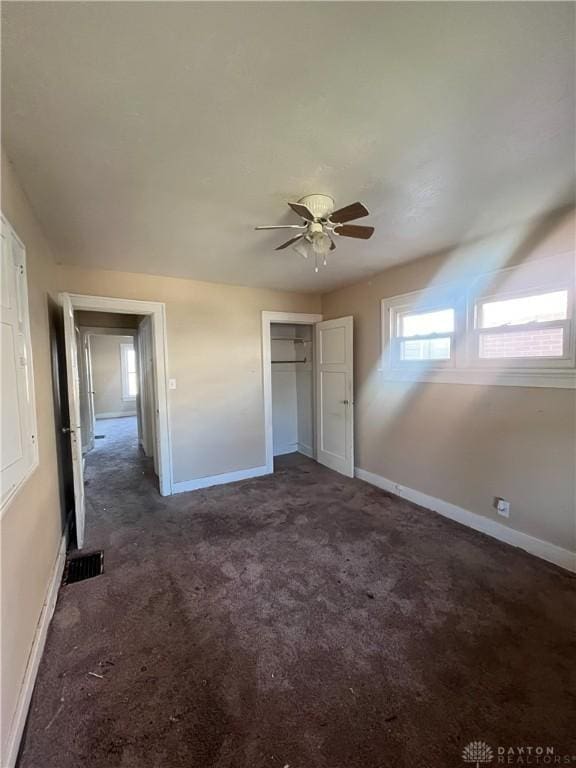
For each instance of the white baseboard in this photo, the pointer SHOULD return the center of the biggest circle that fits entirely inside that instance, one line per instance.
(114, 414)
(23, 703)
(292, 448)
(227, 477)
(307, 450)
(543, 549)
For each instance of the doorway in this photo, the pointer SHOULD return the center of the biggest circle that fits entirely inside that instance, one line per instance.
(308, 388)
(292, 361)
(109, 386)
(119, 328)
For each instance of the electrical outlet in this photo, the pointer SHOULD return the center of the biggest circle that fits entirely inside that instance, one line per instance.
(502, 506)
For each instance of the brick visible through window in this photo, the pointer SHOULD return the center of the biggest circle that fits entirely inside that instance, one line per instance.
(548, 342)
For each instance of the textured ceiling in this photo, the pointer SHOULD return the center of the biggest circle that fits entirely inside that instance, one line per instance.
(152, 137)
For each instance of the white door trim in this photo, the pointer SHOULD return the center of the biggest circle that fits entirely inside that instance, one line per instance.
(157, 311)
(296, 318)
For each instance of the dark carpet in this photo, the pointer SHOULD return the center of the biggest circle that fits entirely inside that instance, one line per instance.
(302, 619)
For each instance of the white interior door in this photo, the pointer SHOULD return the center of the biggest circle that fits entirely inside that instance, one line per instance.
(85, 395)
(334, 395)
(74, 413)
(90, 379)
(147, 393)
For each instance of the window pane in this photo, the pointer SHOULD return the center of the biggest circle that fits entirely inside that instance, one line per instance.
(422, 323)
(131, 360)
(525, 309)
(547, 342)
(426, 349)
(132, 384)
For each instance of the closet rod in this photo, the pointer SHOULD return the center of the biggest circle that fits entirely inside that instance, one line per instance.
(286, 338)
(274, 362)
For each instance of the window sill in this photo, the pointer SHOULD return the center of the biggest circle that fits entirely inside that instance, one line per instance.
(556, 379)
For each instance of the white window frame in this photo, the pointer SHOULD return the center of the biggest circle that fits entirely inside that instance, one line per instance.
(30, 428)
(407, 306)
(567, 359)
(124, 347)
(466, 367)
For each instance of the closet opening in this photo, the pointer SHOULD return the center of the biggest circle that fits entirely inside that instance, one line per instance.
(288, 368)
(292, 363)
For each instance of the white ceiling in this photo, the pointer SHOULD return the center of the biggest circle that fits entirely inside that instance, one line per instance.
(152, 137)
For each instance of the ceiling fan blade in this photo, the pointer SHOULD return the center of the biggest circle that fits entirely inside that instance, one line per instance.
(283, 226)
(349, 213)
(289, 242)
(352, 230)
(302, 211)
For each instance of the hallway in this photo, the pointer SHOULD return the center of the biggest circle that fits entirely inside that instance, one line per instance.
(115, 465)
(300, 619)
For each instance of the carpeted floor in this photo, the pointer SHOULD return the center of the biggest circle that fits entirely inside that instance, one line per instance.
(301, 619)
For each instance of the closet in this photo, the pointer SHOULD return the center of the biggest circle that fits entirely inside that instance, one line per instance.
(292, 388)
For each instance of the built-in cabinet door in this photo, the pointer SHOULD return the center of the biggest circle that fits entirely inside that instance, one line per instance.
(74, 428)
(334, 394)
(18, 443)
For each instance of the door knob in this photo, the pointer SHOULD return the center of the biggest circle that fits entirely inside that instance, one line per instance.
(345, 402)
(67, 430)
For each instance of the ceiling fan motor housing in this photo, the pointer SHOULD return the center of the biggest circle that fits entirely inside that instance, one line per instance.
(319, 205)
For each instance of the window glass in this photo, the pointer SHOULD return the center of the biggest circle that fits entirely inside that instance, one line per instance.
(424, 323)
(525, 309)
(540, 342)
(130, 377)
(426, 349)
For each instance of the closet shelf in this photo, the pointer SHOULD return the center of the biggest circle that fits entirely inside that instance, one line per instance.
(274, 362)
(286, 338)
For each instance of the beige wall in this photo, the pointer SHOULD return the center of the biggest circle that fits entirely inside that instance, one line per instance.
(460, 443)
(215, 355)
(31, 527)
(107, 376)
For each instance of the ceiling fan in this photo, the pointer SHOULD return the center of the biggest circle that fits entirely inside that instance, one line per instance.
(320, 222)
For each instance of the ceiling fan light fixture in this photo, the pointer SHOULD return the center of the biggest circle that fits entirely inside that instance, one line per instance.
(320, 243)
(318, 223)
(301, 248)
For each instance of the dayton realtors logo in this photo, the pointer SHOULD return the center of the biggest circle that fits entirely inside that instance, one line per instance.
(479, 754)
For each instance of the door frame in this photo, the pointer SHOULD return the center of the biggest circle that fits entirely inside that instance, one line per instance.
(293, 318)
(157, 312)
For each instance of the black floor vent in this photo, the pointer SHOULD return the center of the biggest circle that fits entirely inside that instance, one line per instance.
(84, 567)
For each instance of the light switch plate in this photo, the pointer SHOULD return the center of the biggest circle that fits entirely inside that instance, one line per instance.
(171, 383)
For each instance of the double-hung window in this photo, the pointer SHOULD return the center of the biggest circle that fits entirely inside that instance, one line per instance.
(129, 375)
(424, 335)
(420, 330)
(513, 326)
(530, 329)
